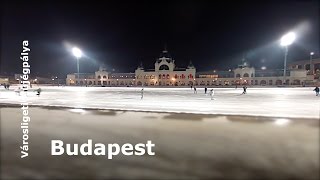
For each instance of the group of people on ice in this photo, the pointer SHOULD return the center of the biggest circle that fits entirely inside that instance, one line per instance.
(211, 93)
(6, 86)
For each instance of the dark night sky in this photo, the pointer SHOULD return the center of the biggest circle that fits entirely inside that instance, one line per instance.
(121, 34)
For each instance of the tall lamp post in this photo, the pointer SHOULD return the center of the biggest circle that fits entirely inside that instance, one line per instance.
(286, 40)
(77, 53)
(311, 68)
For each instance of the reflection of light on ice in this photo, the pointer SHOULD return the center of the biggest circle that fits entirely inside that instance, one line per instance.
(281, 122)
(77, 110)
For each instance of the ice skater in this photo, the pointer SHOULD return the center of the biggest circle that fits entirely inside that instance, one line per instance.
(17, 91)
(38, 91)
(142, 93)
(6, 86)
(211, 94)
(191, 87)
(205, 90)
(194, 90)
(317, 90)
(244, 90)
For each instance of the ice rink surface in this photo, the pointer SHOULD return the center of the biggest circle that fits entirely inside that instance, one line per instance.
(275, 102)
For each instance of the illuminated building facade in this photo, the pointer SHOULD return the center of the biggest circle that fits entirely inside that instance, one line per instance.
(166, 74)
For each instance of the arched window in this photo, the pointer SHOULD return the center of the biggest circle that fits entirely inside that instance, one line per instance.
(159, 76)
(278, 82)
(176, 76)
(246, 75)
(263, 82)
(237, 75)
(104, 77)
(99, 77)
(168, 76)
(164, 67)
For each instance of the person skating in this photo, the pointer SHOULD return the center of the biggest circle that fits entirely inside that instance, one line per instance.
(191, 87)
(7, 86)
(38, 91)
(142, 93)
(211, 94)
(205, 90)
(317, 90)
(194, 90)
(244, 90)
(17, 91)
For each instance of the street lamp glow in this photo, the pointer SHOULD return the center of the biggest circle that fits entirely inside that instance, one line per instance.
(288, 39)
(311, 70)
(76, 52)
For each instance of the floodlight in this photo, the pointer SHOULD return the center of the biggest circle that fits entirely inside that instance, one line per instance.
(288, 39)
(76, 52)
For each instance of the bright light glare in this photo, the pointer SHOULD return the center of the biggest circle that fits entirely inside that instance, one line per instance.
(76, 52)
(288, 39)
(82, 111)
(281, 122)
(312, 53)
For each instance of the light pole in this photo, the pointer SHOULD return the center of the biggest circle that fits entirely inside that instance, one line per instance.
(77, 53)
(311, 69)
(286, 40)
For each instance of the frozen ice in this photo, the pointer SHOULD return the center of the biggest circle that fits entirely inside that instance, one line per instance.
(276, 102)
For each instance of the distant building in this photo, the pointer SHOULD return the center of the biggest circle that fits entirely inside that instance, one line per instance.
(101, 78)
(4, 80)
(165, 73)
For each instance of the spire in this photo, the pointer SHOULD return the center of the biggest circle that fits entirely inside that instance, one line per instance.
(190, 66)
(140, 66)
(165, 48)
(243, 58)
(102, 67)
(165, 53)
(244, 62)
